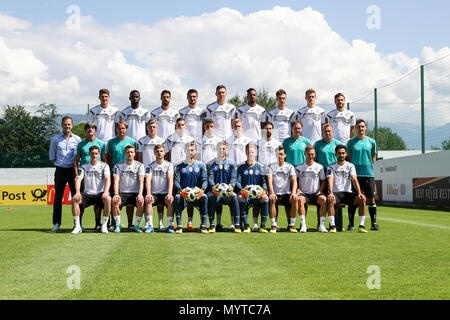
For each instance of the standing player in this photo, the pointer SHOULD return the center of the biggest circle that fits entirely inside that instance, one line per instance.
(159, 187)
(194, 116)
(145, 147)
(82, 156)
(116, 153)
(209, 142)
(280, 117)
(176, 143)
(311, 187)
(251, 115)
(296, 144)
(282, 183)
(311, 117)
(342, 120)
(267, 146)
(191, 173)
(340, 177)
(62, 154)
(104, 116)
(222, 113)
(362, 152)
(222, 170)
(252, 173)
(128, 188)
(325, 148)
(238, 142)
(136, 116)
(97, 180)
(165, 116)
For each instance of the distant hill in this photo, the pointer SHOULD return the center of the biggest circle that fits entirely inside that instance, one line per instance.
(412, 135)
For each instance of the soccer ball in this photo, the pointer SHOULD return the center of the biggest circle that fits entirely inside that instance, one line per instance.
(254, 191)
(223, 190)
(190, 194)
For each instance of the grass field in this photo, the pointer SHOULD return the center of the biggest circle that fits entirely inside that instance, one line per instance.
(412, 252)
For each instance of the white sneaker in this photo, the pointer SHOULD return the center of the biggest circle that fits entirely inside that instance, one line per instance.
(77, 230)
(303, 228)
(104, 229)
(55, 227)
(323, 229)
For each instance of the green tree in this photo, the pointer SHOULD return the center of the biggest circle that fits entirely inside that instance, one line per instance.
(264, 100)
(446, 144)
(387, 140)
(25, 138)
(79, 130)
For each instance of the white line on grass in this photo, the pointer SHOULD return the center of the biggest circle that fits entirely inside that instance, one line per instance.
(415, 223)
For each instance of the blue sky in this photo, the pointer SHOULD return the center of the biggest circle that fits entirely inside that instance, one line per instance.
(406, 26)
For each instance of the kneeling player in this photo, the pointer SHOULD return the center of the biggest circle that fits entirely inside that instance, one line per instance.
(281, 180)
(311, 186)
(128, 188)
(222, 171)
(190, 174)
(97, 181)
(340, 175)
(249, 173)
(159, 186)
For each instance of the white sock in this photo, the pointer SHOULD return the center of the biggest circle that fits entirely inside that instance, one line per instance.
(293, 220)
(160, 218)
(105, 221)
(76, 221)
(322, 221)
(273, 221)
(137, 221)
(169, 222)
(117, 220)
(148, 220)
(303, 220)
(331, 218)
(255, 221)
(362, 219)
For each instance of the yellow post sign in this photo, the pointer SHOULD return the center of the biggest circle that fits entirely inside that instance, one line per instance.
(23, 195)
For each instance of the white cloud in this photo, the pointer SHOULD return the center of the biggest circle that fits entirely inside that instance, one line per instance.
(272, 49)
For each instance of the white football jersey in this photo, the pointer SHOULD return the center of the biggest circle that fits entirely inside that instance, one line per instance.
(94, 177)
(222, 116)
(166, 120)
(281, 120)
(309, 177)
(281, 177)
(194, 121)
(251, 120)
(176, 144)
(236, 148)
(312, 119)
(342, 175)
(136, 120)
(146, 145)
(129, 176)
(105, 119)
(341, 122)
(267, 151)
(209, 148)
(158, 173)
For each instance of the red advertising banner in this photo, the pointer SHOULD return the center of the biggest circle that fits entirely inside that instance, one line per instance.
(67, 198)
(432, 191)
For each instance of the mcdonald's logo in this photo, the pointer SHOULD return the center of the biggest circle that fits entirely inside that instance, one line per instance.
(67, 198)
